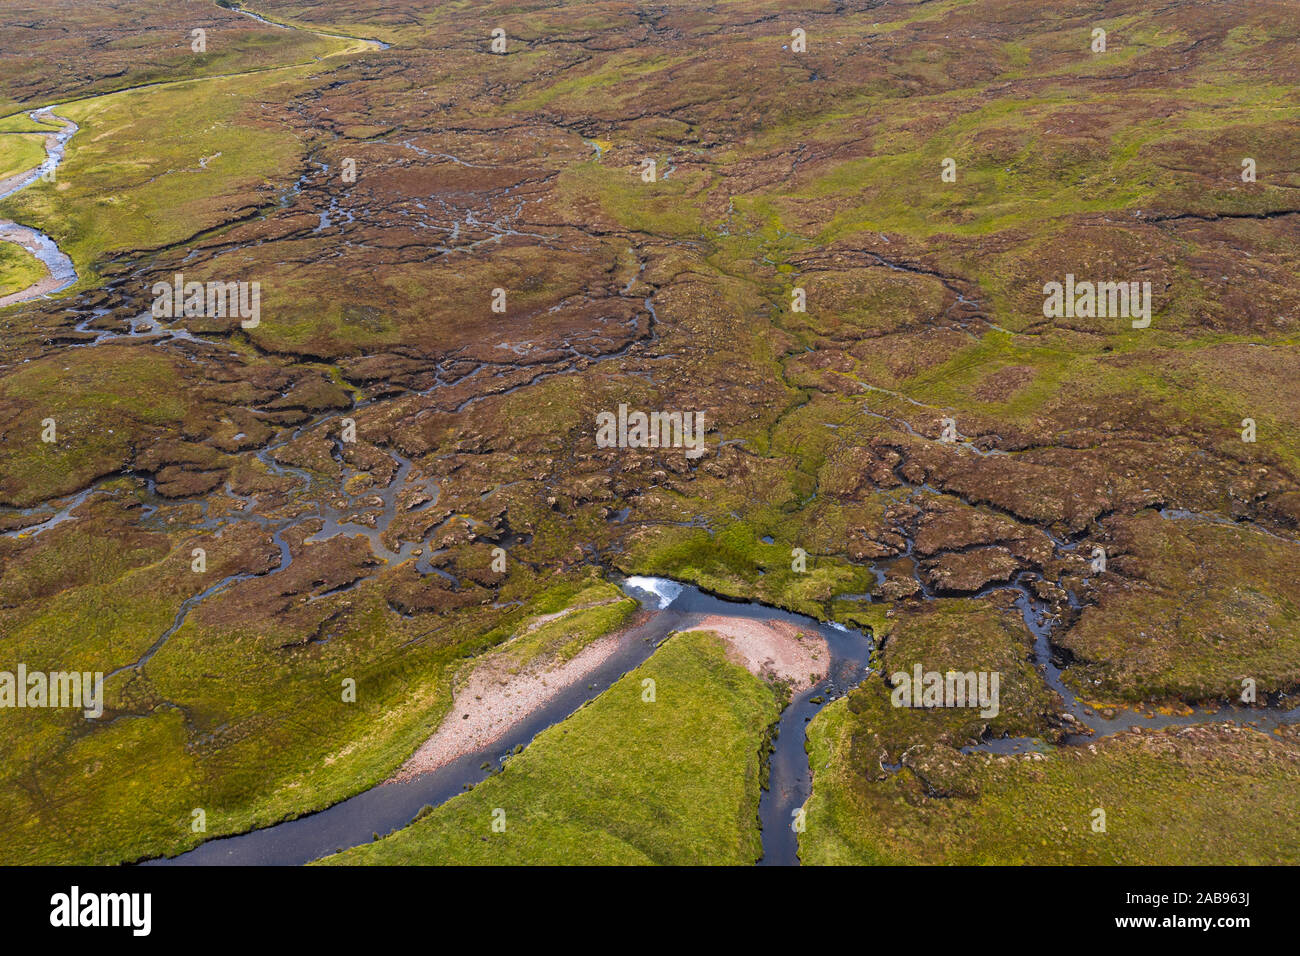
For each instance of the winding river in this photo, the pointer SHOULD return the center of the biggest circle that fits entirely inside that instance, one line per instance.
(61, 273)
(673, 606)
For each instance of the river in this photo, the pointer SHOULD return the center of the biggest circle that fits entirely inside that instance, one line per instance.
(674, 606)
(61, 273)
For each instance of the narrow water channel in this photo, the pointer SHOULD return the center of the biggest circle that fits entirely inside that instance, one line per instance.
(62, 273)
(673, 607)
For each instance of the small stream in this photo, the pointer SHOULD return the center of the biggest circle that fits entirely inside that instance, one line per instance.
(789, 782)
(62, 273)
(674, 607)
(789, 778)
(1090, 724)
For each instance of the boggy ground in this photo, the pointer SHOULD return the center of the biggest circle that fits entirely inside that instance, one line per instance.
(372, 560)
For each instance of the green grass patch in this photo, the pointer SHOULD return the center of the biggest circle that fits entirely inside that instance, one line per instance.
(622, 781)
(20, 153)
(154, 166)
(18, 268)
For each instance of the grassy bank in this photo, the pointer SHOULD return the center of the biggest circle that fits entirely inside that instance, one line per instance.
(675, 781)
(18, 268)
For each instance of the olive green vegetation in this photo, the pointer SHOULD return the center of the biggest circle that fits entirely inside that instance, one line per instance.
(622, 781)
(1200, 795)
(656, 208)
(735, 562)
(19, 269)
(138, 45)
(20, 153)
(91, 402)
(962, 635)
(1223, 604)
(314, 317)
(205, 723)
(152, 167)
(1023, 175)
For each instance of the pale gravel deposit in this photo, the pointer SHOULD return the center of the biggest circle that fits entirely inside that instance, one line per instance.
(498, 694)
(771, 649)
